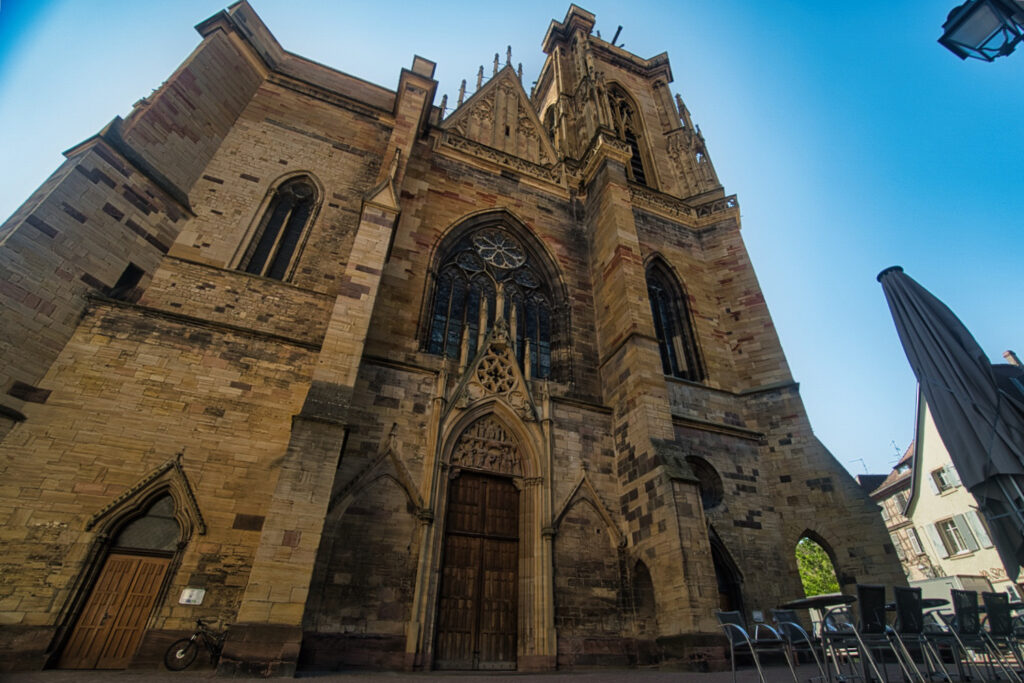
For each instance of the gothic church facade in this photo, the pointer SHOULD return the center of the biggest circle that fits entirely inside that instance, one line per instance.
(375, 383)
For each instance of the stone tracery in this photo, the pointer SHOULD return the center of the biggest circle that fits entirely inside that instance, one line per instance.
(484, 271)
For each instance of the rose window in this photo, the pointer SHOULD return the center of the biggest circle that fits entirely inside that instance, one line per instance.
(469, 275)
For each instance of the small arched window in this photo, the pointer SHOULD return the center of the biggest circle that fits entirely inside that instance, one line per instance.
(712, 491)
(469, 276)
(156, 530)
(627, 127)
(274, 245)
(672, 325)
(549, 123)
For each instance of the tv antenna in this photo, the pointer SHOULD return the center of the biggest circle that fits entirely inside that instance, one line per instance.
(862, 464)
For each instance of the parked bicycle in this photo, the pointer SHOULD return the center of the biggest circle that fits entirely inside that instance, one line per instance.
(182, 653)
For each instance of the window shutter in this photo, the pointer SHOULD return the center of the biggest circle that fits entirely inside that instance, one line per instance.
(978, 527)
(965, 531)
(931, 480)
(951, 475)
(936, 538)
(915, 541)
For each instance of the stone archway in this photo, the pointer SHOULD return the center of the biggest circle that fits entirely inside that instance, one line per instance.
(131, 578)
(489, 487)
(477, 624)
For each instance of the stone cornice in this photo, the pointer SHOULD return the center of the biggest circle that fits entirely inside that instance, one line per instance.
(604, 145)
(100, 300)
(718, 428)
(323, 94)
(447, 140)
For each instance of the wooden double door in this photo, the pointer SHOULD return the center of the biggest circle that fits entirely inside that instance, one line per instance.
(113, 620)
(477, 616)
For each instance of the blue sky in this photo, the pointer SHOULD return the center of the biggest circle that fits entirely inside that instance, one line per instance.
(852, 139)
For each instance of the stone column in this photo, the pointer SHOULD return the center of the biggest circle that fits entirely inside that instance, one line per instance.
(659, 496)
(268, 634)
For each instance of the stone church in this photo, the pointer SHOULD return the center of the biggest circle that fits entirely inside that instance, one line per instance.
(375, 380)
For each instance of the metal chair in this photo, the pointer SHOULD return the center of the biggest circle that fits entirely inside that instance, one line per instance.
(1000, 632)
(874, 629)
(909, 634)
(741, 642)
(799, 641)
(843, 640)
(965, 627)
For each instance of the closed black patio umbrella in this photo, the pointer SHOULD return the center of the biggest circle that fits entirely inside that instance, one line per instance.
(981, 423)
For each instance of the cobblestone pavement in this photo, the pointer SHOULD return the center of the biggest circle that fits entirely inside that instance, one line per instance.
(745, 675)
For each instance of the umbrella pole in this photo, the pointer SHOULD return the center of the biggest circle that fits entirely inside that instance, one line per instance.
(1012, 499)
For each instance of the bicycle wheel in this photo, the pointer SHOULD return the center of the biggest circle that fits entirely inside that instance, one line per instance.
(181, 654)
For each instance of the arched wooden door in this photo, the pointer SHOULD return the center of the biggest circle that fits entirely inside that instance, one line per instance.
(477, 619)
(110, 626)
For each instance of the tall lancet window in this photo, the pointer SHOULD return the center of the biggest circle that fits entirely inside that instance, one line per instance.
(485, 269)
(672, 325)
(274, 245)
(627, 126)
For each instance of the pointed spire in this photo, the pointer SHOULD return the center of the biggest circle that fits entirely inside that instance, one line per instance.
(508, 56)
(519, 72)
(514, 325)
(495, 64)
(444, 105)
(480, 77)
(442, 383)
(464, 351)
(393, 168)
(482, 325)
(684, 113)
(526, 359)
(462, 91)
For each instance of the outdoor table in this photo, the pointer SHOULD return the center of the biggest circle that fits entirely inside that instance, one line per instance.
(1014, 607)
(820, 602)
(926, 604)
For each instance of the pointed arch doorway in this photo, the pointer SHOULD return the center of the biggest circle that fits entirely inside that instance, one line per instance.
(478, 603)
(113, 620)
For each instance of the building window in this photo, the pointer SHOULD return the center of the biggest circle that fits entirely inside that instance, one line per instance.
(273, 247)
(672, 325)
(901, 502)
(712, 491)
(549, 123)
(951, 536)
(915, 541)
(627, 127)
(944, 479)
(470, 275)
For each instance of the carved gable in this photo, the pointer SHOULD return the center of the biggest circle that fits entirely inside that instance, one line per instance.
(499, 115)
(495, 373)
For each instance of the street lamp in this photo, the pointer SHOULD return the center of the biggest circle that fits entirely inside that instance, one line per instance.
(984, 29)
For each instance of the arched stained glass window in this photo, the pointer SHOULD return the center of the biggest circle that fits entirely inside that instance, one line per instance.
(672, 325)
(466, 295)
(156, 530)
(627, 126)
(274, 245)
